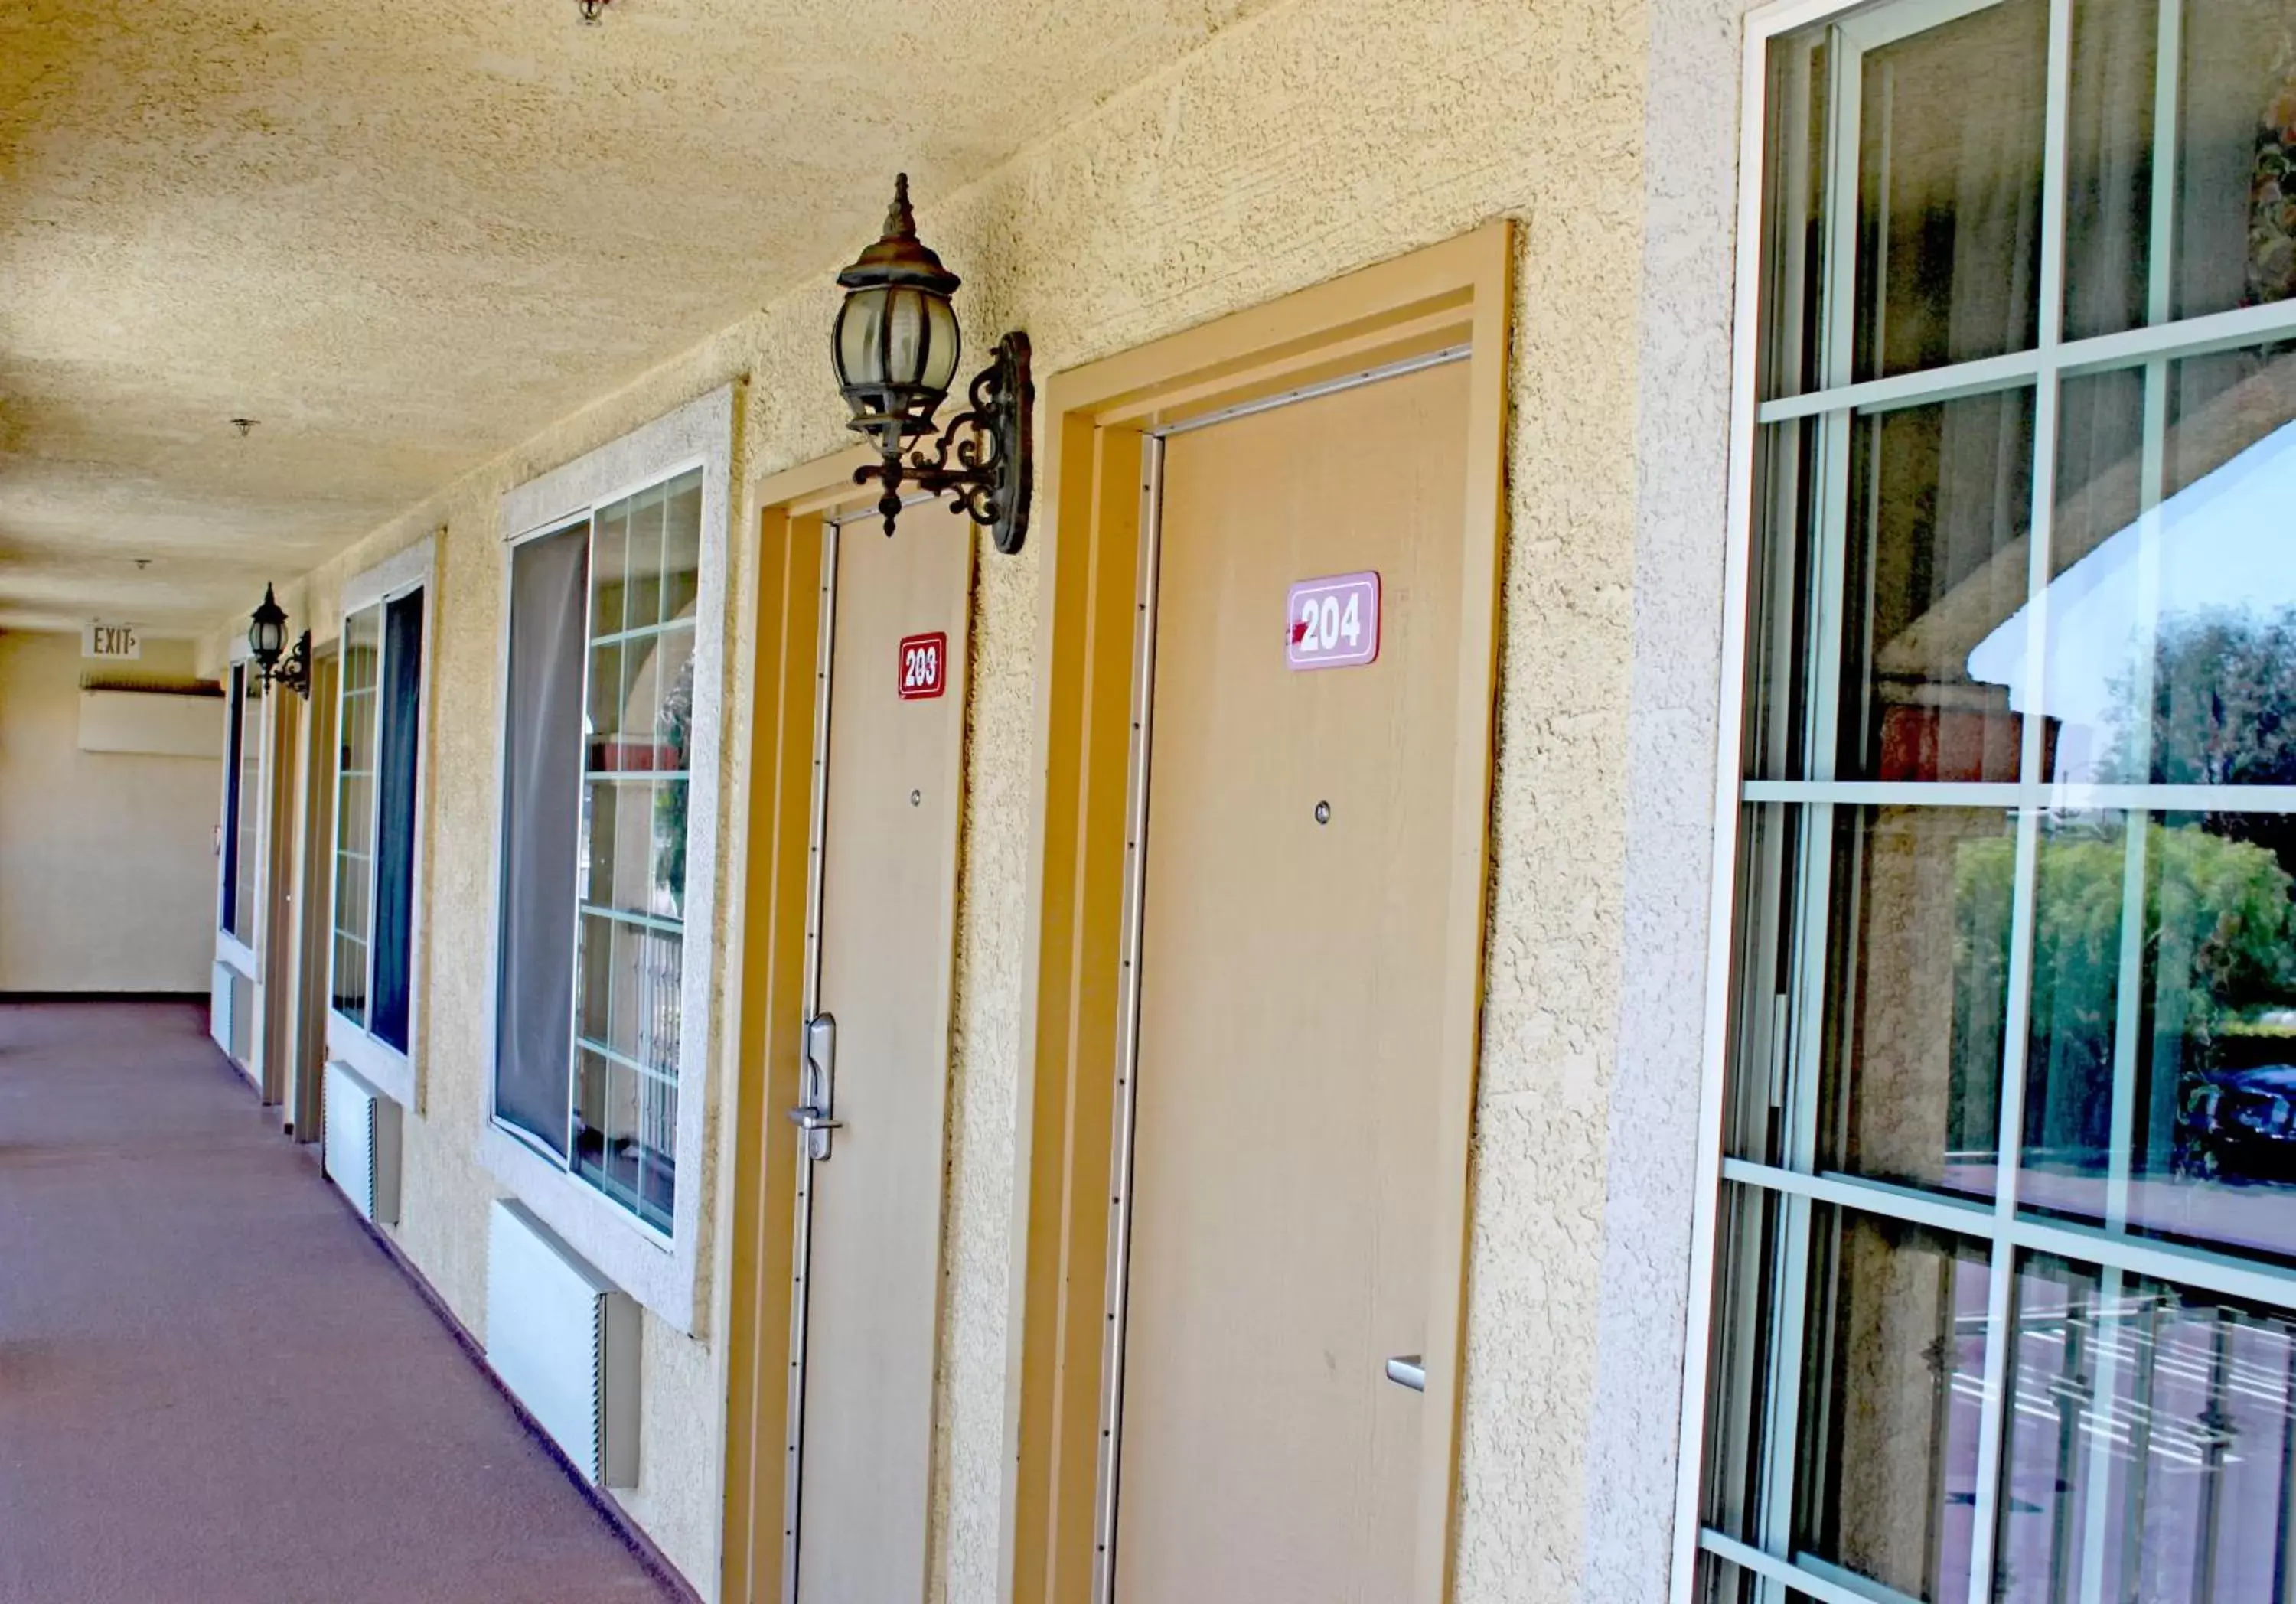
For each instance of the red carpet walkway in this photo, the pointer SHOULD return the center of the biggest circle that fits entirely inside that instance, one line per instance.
(213, 1384)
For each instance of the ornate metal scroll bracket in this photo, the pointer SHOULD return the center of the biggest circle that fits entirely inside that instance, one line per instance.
(992, 472)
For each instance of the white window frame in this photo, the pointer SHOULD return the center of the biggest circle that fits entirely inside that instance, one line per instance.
(2051, 358)
(240, 956)
(389, 1070)
(660, 1272)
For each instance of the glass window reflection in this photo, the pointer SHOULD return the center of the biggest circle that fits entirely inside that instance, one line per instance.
(1940, 503)
(639, 718)
(2161, 1077)
(1891, 1387)
(2151, 1443)
(1921, 902)
(2171, 618)
(357, 730)
(1949, 184)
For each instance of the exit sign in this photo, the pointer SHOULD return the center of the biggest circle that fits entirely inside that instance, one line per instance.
(116, 641)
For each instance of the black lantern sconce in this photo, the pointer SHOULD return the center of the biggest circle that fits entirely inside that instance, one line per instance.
(267, 642)
(896, 349)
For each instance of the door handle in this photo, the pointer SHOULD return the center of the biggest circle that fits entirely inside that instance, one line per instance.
(815, 1117)
(1407, 1369)
(815, 1127)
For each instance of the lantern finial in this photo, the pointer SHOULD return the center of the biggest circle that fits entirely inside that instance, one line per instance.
(899, 257)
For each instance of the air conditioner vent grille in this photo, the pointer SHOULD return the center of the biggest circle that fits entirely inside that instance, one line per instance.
(564, 1339)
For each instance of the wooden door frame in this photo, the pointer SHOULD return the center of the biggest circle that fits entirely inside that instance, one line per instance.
(781, 617)
(315, 923)
(1096, 426)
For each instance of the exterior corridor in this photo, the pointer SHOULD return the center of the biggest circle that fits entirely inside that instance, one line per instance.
(213, 1384)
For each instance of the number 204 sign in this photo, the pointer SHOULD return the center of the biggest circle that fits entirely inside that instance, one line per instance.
(1332, 622)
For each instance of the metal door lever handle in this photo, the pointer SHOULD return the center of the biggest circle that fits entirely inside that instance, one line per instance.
(1407, 1369)
(813, 1129)
(819, 1086)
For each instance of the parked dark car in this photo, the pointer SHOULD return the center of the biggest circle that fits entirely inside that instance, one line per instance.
(2237, 1123)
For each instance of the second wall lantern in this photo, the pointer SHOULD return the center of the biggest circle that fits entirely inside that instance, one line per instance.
(895, 347)
(266, 643)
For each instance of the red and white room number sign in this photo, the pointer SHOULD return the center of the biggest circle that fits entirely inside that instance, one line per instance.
(1331, 623)
(924, 666)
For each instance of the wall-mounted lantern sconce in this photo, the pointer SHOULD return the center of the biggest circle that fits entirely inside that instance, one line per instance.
(896, 349)
(266, 641)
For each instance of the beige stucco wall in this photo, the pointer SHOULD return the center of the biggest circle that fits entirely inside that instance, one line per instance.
(1319, 137)
(107, 859)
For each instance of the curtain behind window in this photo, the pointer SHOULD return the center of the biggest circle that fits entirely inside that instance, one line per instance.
(229, 913)
(542, 789)
(394, 879)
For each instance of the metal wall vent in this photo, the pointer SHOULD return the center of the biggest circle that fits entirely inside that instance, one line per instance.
(564, 1339)
(362, 1144)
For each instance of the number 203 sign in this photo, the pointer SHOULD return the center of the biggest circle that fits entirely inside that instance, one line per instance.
(924, 666)
(1331, 623)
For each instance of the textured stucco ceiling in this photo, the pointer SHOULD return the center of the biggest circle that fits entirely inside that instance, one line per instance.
(404, 235)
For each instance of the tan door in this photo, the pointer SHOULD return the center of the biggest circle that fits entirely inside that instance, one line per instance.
(868, 1263)
(1299, 855)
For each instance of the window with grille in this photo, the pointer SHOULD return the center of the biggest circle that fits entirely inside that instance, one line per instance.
(243, 803)
(2005, 1292)
(599, 728)
(379, 728)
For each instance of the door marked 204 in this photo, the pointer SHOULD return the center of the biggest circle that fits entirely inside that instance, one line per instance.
(924, 666)
(1331, 623)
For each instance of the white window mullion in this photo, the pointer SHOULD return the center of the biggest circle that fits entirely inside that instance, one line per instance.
(1822, 718)
(2001, 1283)
(1788, 1300)
(1845, 111)
(2000, 1357)
(2127, 1046)
(2096, 1512)
(585, 845)
(1789, 1296)
(373, 842)
(2168, 71)
(1924, 387)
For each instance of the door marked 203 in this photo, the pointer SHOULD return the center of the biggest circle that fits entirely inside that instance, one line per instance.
(1331, 623)
(924, 666)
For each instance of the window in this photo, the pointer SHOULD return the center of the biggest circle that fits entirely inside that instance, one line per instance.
(379, 729)
(596, 784)
(2005, 1293)
(243, 803)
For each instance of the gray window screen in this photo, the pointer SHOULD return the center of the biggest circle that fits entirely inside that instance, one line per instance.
(542, 789)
